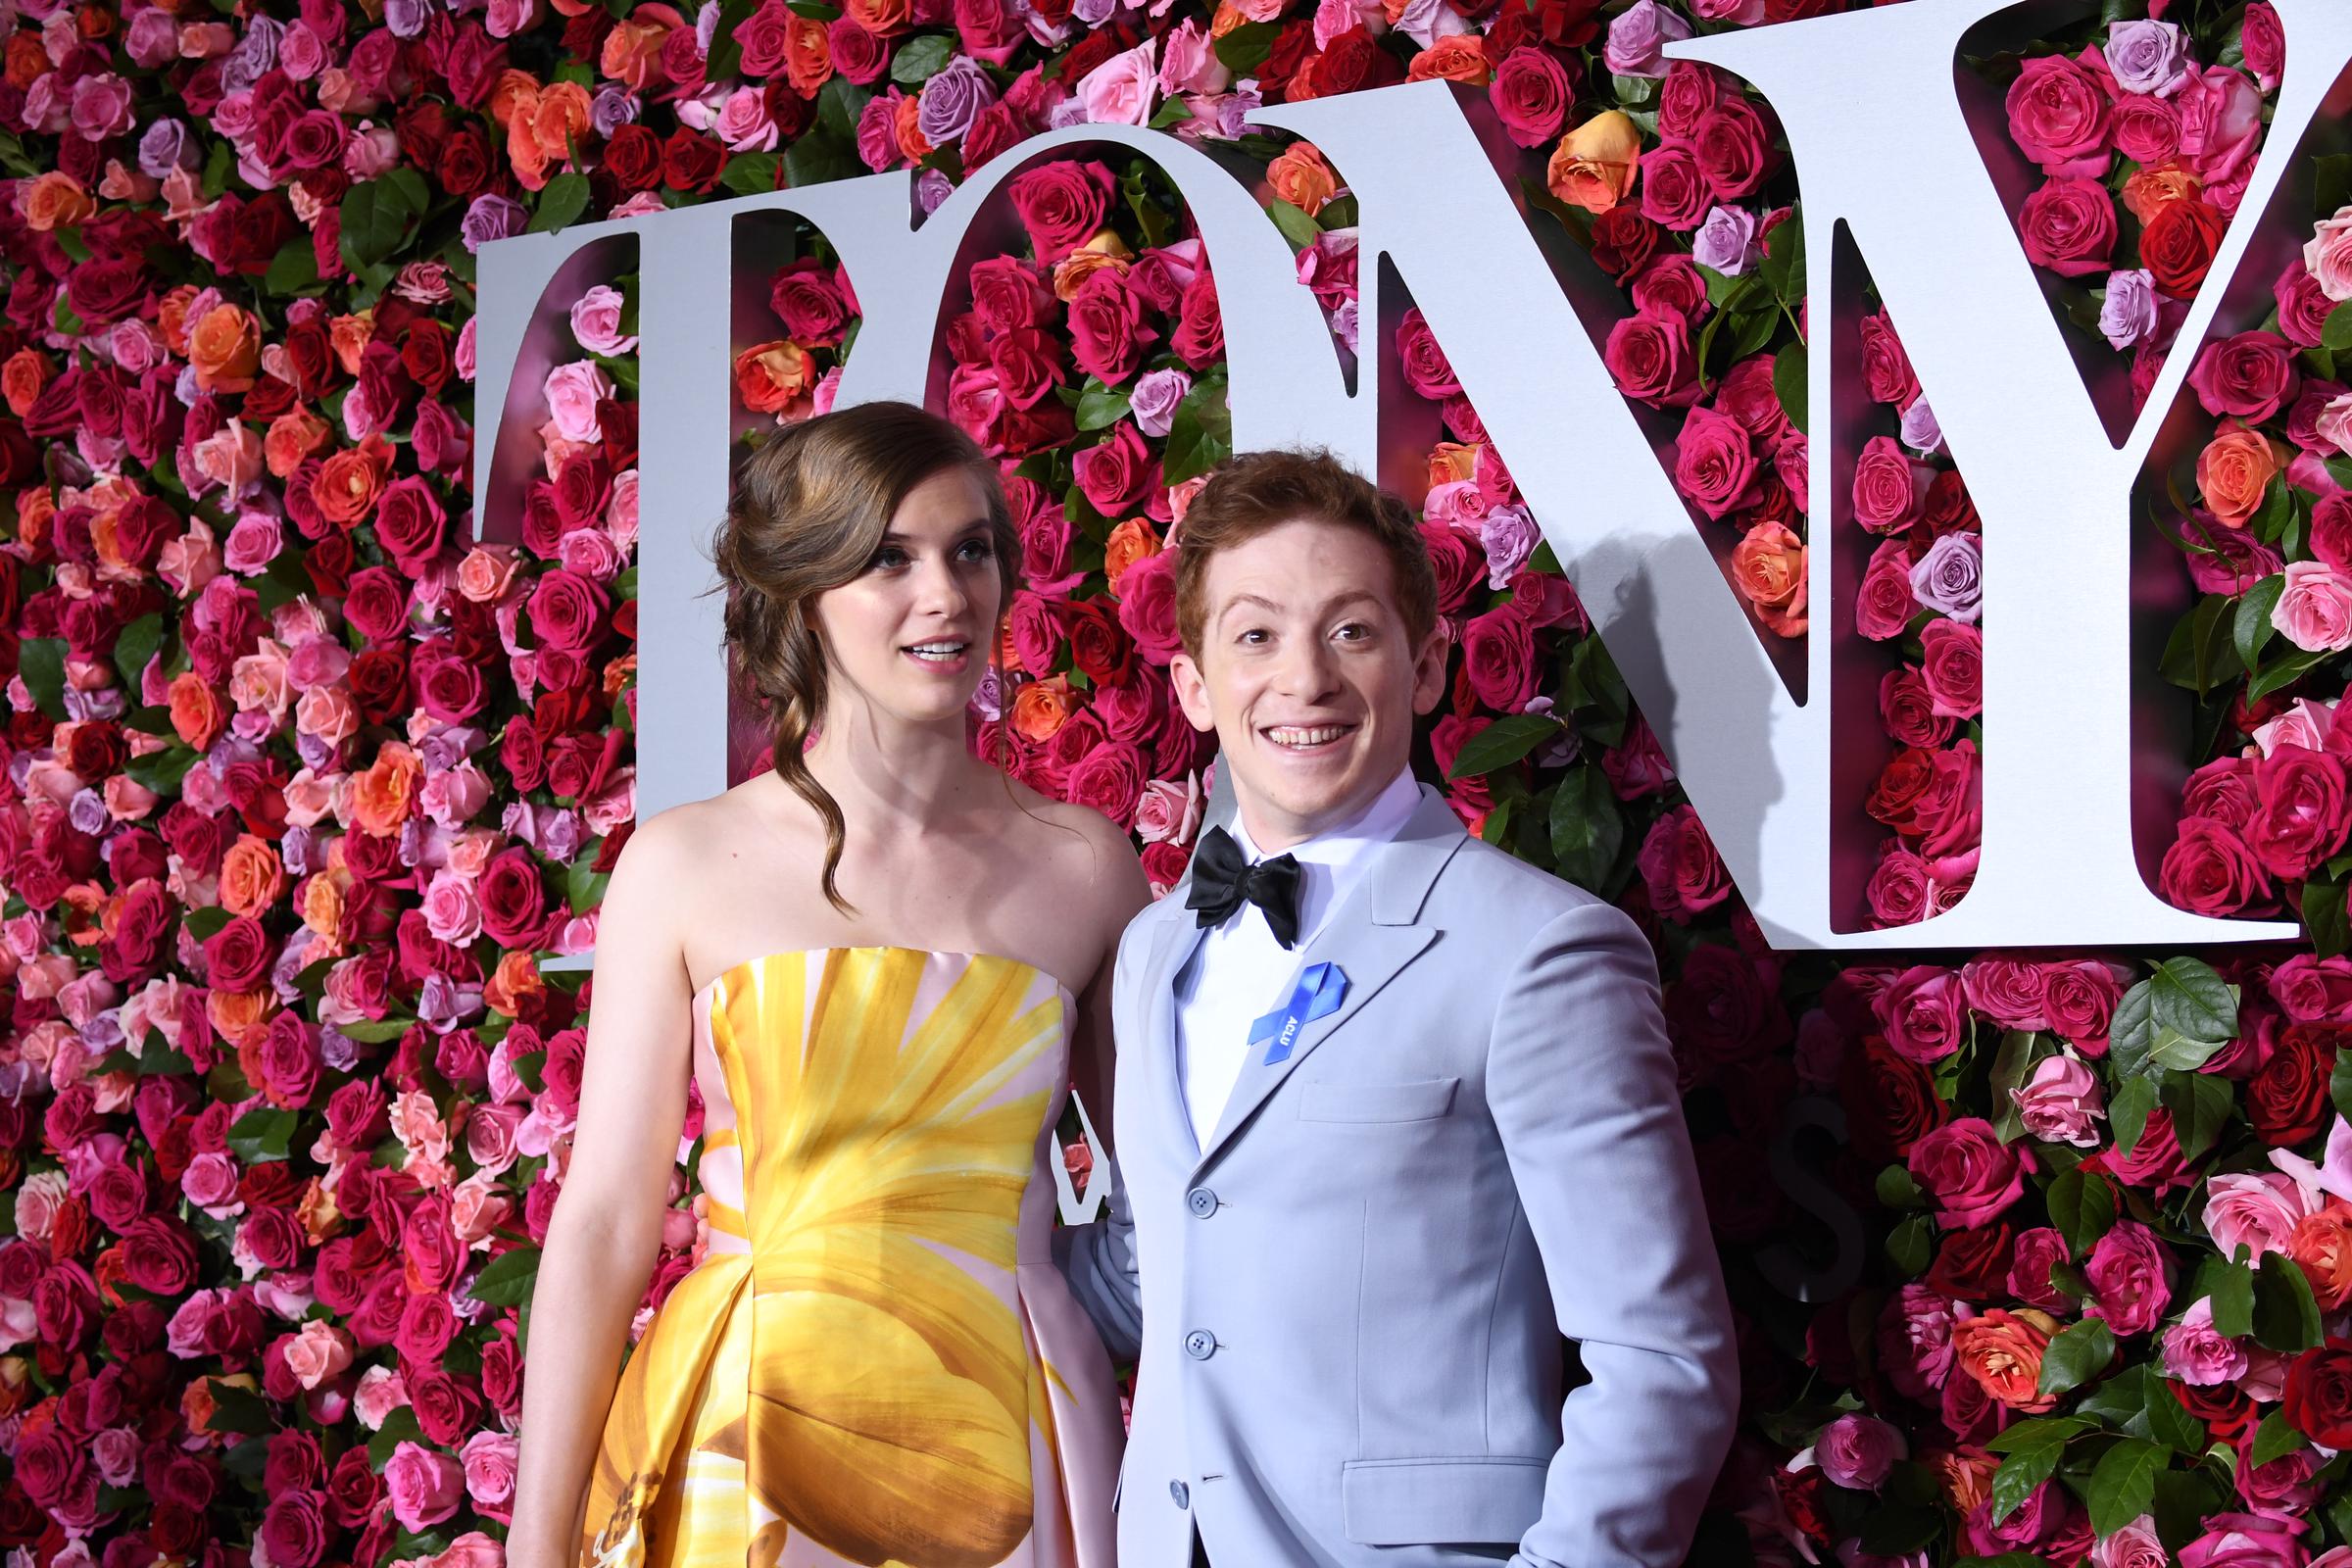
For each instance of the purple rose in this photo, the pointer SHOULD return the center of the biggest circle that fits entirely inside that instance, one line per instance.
(492, 216)
(1950, 576)
(2148, 57)
(1510, 535)
(2130, 314)
(1726, 241)
(951, 100)
(1638, 37)
(1154, 399)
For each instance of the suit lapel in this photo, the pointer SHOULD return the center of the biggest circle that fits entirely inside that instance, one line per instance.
(1172, 947)
(1372, 936)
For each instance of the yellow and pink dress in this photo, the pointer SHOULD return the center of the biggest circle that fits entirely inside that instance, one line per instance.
(877, 1361)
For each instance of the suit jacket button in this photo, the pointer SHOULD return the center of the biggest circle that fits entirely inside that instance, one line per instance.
(1200, 1344)
(1181, 1493)
(1201, 1201)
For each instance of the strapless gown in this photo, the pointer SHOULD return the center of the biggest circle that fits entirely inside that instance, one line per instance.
(877, 1361)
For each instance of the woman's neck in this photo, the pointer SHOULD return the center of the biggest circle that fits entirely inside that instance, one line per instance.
(895, 777)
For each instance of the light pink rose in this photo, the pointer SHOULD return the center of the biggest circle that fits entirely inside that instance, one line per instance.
(489, 1461)
(1169, 813)
(573, 393)
(596, 321)
(2197, 1354)
(2133, 1545)
(37, 1198)
(380, 1391)
(318, 1351)
(1859, 1451)
(2333, 425)
(101, 106)
(316, 660)
(2315, 611)
(476, 1209)
(116, 1453)
(620, 513)
(2257, 1211)
(327, 712)
(1120, 90)
(1190, 63)
(2305, 724)
(424, 1484)
(743, 123)
(590, 552)
(230, 457)
(2130, 1278)
(490, 1136)
(2060, 1102)
(451, 911)
(211, 1184)
(472, 1549)
(2327, 255)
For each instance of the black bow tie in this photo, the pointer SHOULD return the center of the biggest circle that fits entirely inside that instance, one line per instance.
(1223, 879)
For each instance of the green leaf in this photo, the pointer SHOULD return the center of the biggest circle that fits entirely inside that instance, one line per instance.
(1784, 264)
(840, 105)
(1172, 112)
(727, 52)
(751, 174)
(2192, 1001)
(2201, 1105)
(2275, 1439)
(260, 1137)
(820, 157)
(2325, 920)
(2169, 1422)
(561, 204)
(2124, 1484)
(2335, 334)
(236, 1408)
(507, 1279)
(1295, 225)
(2128, 1113)
(205, 924)
(135, 646)
(2082, 1208)
(2231, 1292)
(2131, 1031)
(2283, 673)
(1792, 379)
(2076, 1356)
(374, 1031)
(401, 1426)
(1588, 828)
(1201, 436)
(1502, 743)
(1911, 1244)
(1896, 1190)
(2339, 1084)
(2252, 628)
(2034, 1450)
(292, 269)
(2285, 1317)
(920, 59)
(376, 217)
(1246, 47)
(41, 660)
(1100, 407)
(2119, 1401)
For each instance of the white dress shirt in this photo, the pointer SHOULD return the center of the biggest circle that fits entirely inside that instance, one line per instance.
(1240, 973)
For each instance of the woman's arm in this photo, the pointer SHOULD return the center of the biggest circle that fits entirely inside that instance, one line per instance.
(606, 1230)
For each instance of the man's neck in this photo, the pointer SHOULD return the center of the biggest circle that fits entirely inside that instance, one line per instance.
(1273, 833)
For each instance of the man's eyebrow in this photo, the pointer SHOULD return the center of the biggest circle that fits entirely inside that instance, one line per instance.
(1326, 607)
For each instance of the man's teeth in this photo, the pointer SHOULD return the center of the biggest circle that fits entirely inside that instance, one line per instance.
(1292, 735)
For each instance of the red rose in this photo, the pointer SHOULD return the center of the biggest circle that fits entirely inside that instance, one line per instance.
(2068, 227)
(2317, 1401)
(159, 1256)
(238, 955)
(446, 1411)
(632, 157)
(410, 523)
(293, 1530)
(379, 683)
(1733, 149)
(2208, 870)
(1498, 658)
(1685, 875)
(1623, 240)
(1973, 1264)
(1107, 328)
(1028, 365)
(1199, 336)
(289, 1061)
(858, 54)
(1061, 204)
(1115, 474)
(1098, 649)
(1720, 1008)
(692, 162)
(425, 1326)
(2301, 813)
(568, 610)
(449, 688)
(2286, 1098)
(1425, 370)
(1110, 779)
(514, 901)
(51, 1466)
(502, 1374)
(2249, 375)
(1353, 62)
(1885, 368)
(807, 299)
(2178, 246)
(1530, 92)
(1890, 1102)
(1650, 357)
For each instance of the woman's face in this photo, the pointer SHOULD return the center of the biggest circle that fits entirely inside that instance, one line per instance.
(910, 633)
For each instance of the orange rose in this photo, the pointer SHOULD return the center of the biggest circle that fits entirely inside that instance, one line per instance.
(350, 480)
(1130, 542)
(320, 901)
(618, 673)
(771, 377)
(1965, 1477)
(349, 336)
(513, 88)
(1451, 463)
(1768, 568)
(559, 119)
(56, 201)
(882, 18)
(2235, 470)
(22, 378)
(633, 49)
(2003, 1350)
(238, 1013)
(172, 317)
(293, 436)
(1456, 57)
(2150, 190)
(1073, 270)
(34, 507)
(28, 61)
(1595, 165)
(2321, 1245)
(252, 877)
(316, 1212)
(225, 349)
(807, 55)
(196, 713)
(1040, 710)
(912, 141)
(1303, 178)
(516, 978)
(380, 795)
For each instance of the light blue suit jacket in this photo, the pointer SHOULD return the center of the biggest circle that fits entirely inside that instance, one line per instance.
(1349, 1299)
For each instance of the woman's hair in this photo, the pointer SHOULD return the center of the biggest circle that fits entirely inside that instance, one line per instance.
(808, 512)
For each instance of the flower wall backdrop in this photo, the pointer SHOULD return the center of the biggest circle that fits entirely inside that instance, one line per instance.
(304, 786)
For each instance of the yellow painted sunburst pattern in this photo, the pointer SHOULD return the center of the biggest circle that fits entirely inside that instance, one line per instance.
(863, 1385)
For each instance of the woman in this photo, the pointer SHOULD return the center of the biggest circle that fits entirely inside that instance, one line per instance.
(876, 961)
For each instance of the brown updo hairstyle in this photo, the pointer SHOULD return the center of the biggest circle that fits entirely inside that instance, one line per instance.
(809, 513)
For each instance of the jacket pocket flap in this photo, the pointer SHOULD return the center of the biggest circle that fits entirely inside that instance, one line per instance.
(1421, 1502)
(1419, 1101)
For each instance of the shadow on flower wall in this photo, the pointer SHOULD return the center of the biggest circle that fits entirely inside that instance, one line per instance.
(2036, 1257)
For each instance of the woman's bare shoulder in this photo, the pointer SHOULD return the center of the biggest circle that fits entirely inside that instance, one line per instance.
(1087, 861)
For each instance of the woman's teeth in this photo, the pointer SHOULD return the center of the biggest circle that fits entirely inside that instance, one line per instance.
(938, 653)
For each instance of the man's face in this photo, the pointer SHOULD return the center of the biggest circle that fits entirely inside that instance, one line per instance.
(1309, 676)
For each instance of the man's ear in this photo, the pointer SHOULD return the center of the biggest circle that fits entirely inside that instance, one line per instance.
(1192, 691)
(1429, 671)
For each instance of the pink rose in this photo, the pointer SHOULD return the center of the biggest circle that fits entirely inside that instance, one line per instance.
(596, 321)
(2246, 1541)
(489, 1459)
(1531, 92)
(1890, 489)
(1651, 359)
(2315, 610)
(1115, 473)
(2251, 375)
(1915, 1339)
(2257, 1211)
(1715, 464)
(1685, 874)
(2197, 1354)
(1968, 1170)
(2058, 117)
(2327, 255)
(1859, 1451)
(1061, 204)
(573, 391)
(2220, 127)
(2068, 227)
(2036, 1252)
(1885, 604)
(1147, 607)
(2060, 1102)
(1923, 1012)
(2079, 999)
(1120, 90)
(1498, 658)
(2208, 870)
(2133, 1545)
(2130, 1278)
(318, 1351)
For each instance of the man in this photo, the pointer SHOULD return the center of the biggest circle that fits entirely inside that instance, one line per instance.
(1394, 1112)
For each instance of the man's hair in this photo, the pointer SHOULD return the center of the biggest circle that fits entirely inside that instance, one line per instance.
(1261, 491)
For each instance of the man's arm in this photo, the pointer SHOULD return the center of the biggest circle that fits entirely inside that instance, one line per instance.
(1098, 1258)
(1582, 1085)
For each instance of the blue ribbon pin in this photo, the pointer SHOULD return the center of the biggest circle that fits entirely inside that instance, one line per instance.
(1320, 991)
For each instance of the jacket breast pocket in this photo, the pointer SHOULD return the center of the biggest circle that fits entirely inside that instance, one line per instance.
(1405, 1502)
(1422, 1100)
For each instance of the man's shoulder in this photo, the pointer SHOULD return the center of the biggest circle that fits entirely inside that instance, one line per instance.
(1491, 884)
